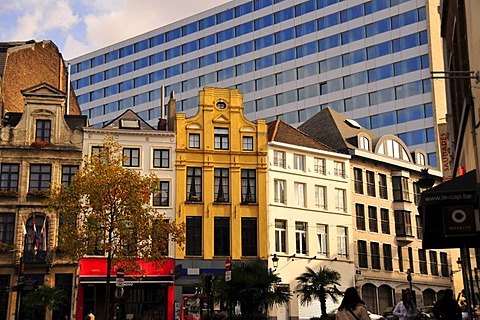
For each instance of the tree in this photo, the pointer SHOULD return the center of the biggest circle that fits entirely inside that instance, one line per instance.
(45, 297)
(106, 209)
(318, 285)
(253, 286)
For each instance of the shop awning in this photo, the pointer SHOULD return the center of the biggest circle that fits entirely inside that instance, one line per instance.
(129, 281)
(450, 214)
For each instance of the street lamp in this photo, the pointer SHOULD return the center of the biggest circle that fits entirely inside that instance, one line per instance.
(275, 262)
(426, 180)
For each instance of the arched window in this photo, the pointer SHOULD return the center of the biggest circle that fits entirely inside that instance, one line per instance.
(369, 296)
(364, 143)
(385, 297)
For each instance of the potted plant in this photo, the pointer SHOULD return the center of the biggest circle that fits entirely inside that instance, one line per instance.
(39, 193)
(40, 143)
(5, 247)
(10, 193)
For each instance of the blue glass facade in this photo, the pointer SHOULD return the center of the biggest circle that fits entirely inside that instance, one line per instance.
(288, 59)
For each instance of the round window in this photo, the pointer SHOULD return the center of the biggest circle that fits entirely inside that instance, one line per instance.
(221, 105)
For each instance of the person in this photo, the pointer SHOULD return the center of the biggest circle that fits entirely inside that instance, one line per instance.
(405, 309)
(352, 307)
(90, 316)
(447, 307)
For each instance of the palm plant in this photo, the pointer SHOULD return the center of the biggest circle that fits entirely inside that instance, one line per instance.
(317, 285)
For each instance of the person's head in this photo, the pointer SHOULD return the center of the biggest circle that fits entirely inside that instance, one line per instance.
(407, 299)
(350, 299)
(448, 294)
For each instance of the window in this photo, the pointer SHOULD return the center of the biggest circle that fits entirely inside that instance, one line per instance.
(385, 220)
(249, 186)
(279, 159)
(322, 236)
(131, 157)
(40, 177)
(193, 234)
(410, 259)
(221, 236)
(43, 130)
(194, 184)
(362, 254)
(300, 194)
(37, 235)
(342, 241)
(301, 237)
(375, 255)
(444, 264)
(248, 143)
(400, 258)
(372, 219)
(387, 257)
(161, 198)
(416, 193)
(221, 138)
(360, 216)
(319, 165)
(7, 227)
(382, 185)
(321, 197)
(221, 185)
(364, 143)
(371, 183)
(281, 236)
(249, 237)
(403, 224)
(194, 140)
(341, 201)
(9, 176)
(279, 193)
(339, 169)
(418, 222)
(400, 189)
(433, 263)
(358, 178)
(161, 158)
(68, 172)
(299, 162)
(422, 260)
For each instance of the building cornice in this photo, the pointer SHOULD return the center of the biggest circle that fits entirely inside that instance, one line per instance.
(310, 150)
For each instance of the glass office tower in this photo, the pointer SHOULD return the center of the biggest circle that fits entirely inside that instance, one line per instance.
(370, 60)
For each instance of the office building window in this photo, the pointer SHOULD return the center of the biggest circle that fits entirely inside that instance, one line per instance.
(358, 180)
(131, 157)
(161, 158)
(279, 194)
(194, 184)
(322, 236)
(422, 260)
(221, 236)
(444, 264)
(221, 185)
(375, 255)
(410, 259)
(360, 216)
(419, 227)
(342, 241)
(433, 263)
(43, 130)
(194, 140)
(299, 162)
(382, 186)
(249, 237)
(300, 194)
(40, 177)
(7, 227)
(341, 201)
(248, 143)
(279, 159)
(371, 183)
(68, 172)
(249, 186)
(221, 138)
(319, 165)
(339, 169)
(372, 219)
(403, 223)
(321, 197)
(9, 176)
(387, 257)
(281, 236)
(385, 220)
(193, 235)
(161, 198)
(400, 258)
(400, 189)
(362, 254)
(301, 237)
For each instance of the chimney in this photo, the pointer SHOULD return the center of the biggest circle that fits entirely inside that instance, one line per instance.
(162, 124)
(171, 112)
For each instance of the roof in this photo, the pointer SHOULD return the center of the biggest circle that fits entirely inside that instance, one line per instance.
(128, 115)
(334, 129)
(280, 131)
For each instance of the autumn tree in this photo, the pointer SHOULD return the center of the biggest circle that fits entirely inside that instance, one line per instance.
(106, 210)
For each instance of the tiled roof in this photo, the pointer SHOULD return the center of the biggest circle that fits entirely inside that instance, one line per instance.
(128, 115)
(280, 131)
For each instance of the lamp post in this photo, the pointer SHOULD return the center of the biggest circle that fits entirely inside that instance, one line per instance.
(275, 262)
(409, 279)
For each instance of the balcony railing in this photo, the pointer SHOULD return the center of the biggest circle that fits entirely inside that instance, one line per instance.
(37, 257)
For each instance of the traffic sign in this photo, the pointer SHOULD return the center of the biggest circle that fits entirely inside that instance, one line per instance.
(228, 264)
(228, 275)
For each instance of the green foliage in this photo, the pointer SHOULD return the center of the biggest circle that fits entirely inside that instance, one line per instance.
(44, 297)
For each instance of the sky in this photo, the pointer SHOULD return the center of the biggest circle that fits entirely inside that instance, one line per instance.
(78, 27)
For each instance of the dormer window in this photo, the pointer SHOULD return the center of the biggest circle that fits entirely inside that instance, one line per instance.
(421, 159)
(43, 130)
(364, 143)
(129, 124)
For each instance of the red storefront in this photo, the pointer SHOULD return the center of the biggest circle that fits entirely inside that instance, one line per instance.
(146, 296)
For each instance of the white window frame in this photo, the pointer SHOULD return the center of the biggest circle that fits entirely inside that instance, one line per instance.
(301, 237)
(319, 165)
(342, 241)
(281, 234)
(300, 193)
(341, 199)
(279, 159)
(322, 236)
(339, 169)
(321, 197)
(279, 194)
(299, 162)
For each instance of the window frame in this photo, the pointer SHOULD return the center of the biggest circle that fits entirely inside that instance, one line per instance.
(247, 143)
(221, 138)
(131, 160)
(161, 198)
(67, 177)
(342, 241)
(319, 165)
(193, 236)
(43, 130)
(372, 219)
(249, 237)
(375, 255)
(301, 236)
(385, 223)
(161, 158)
(249, 192)
(371, 188)
(339, 169)
(279, 159)
(221, 175)
(322, 237)
(194, 140)
(281, 235)
(279, 186)
(387, 257)
(221, 236)
(321, 197)
(194, 176)
(358, 180)
(43, 184)
(382, 186)
(9, 178)
(360, 216)
(299, 162)
(7, 227)
(362, 253)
